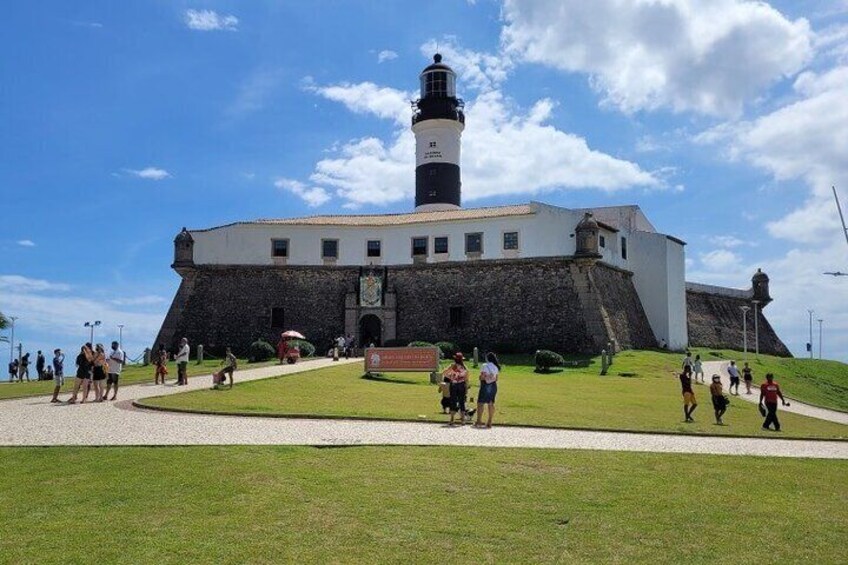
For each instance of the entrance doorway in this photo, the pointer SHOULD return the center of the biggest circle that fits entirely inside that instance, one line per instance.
(370, 330)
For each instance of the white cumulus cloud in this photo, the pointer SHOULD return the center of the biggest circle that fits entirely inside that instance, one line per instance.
(18, 283)
(149, 173)
(26, 243)
(210, 20)
(708, 56)
(386, 55)
(312, 195)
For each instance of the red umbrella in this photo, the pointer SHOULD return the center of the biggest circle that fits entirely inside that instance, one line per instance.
(291, 334)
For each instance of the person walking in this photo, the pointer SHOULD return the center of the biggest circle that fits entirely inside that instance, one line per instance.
(83, 378)
(770, 392)
(13, 370)
(748, 377)
(39, 365)
(24, 368)
(688, 363)
(160, 360)
(182, 362)
(689, 402)
(99, 371)
(58, 373)
(458, 375)
(698, 369)
(718, 398)
(489, 373)
(733, 371)
(115, 363)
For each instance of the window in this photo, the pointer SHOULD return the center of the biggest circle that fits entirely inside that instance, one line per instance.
(329, 248)
(277, 318)
(510, 240)
(373, 248)
(474, 243)
(624, 248)
(602, 241)
(419, 246)
(432, 144)
(280, 247)
(433, 172)
(440, 245)
(455, 314)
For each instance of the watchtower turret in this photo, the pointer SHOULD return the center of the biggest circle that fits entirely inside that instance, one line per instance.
(586, 233)
(760, 286)
(183, 250)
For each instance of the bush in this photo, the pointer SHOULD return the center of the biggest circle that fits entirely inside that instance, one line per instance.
(261, 350)
(545, 360)
(306, 348)
(420, 344)
(447, 349)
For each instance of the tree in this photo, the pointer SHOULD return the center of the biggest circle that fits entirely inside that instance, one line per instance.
(4, 323)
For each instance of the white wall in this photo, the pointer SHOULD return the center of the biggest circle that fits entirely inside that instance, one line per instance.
(545, 234)
(677, 318)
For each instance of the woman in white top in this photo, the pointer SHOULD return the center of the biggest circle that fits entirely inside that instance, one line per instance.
(488, 388)
(698, 369)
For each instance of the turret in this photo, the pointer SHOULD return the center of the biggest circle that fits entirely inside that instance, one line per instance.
(760, 286)
(183, 250)
(438, 122)
(586, 233)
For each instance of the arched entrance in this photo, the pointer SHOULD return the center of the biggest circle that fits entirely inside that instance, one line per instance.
(370, 330)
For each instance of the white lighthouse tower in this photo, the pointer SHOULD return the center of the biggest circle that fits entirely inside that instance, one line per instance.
(437, 123)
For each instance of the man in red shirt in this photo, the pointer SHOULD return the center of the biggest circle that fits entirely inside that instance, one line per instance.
(770, 392)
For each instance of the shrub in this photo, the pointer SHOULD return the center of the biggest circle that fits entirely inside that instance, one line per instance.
(420, 344)
(261, 350)
(447, 349)
(545, 360)
(306, 348)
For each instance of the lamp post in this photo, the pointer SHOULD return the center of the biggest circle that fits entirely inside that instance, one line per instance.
(810, 312)
(745, 329)
(820, 337)
(12, 340)
(756, 329)
(91, 326)
(121, 336)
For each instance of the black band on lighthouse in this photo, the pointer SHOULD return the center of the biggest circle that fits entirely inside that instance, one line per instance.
(437, 183)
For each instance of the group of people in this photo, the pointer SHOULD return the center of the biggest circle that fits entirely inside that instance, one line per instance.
(454, 389)
(769, 391)
(344, 344)
(95, 366)
(160, 358)
(19, 368)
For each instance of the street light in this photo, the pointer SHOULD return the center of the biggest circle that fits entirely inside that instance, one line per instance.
(121, 335)
(811, 332)
(745, 329)
(820, 337)
(12, 340)
(91, 326)
(756, 329)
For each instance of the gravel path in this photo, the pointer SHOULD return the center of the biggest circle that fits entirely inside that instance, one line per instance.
(720, 368)
(35, 421)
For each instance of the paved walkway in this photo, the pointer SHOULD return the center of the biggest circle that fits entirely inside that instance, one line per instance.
(35, 421)
(720, 368)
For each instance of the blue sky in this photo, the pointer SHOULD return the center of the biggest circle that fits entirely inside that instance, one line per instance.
(121, 122)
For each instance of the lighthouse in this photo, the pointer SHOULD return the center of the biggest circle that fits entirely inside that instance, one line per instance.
(438, 122)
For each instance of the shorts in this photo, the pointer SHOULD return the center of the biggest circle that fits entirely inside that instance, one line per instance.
(734, 381)
(689, 398)
(112, 379)
(446, 402)
(99, 374)
(488, 392)
(58, 379)
(747, 380)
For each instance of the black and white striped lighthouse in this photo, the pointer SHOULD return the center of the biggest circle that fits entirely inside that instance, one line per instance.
(437, 123)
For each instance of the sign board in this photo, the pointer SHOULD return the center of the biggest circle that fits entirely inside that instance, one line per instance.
(397, 359)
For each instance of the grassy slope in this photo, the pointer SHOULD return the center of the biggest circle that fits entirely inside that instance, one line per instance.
(650, 401)
(416, 505)
(824, 383)
(132, 374)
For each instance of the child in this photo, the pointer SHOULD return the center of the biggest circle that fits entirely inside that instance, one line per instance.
(444, 389)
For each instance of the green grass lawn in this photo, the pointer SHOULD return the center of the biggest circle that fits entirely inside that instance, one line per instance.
(132, 374)
(650, 400)
(820, 382)
(416, 505)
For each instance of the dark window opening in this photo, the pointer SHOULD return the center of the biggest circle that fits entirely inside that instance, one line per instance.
(280, 247)
(474, 243)
(602, 241)
(440, 245)
(433, 172)
(330, 248)
(277, 318)
(510, 240)
(373, 248)
(455, 314)
(432, 144)
(419, 246)
(624, 248)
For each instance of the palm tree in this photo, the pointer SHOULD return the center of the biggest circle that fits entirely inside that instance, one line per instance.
(4, 323)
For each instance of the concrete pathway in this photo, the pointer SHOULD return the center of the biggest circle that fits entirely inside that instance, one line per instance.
(35, 421)
(720, 368)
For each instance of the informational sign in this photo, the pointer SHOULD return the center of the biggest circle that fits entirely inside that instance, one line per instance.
(371, 290)
(398, 359)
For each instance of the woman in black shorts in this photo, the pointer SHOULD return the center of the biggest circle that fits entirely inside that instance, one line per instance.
(84, 359)
(99, 372)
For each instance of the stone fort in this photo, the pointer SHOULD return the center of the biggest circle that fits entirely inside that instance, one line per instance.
(506, 278)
